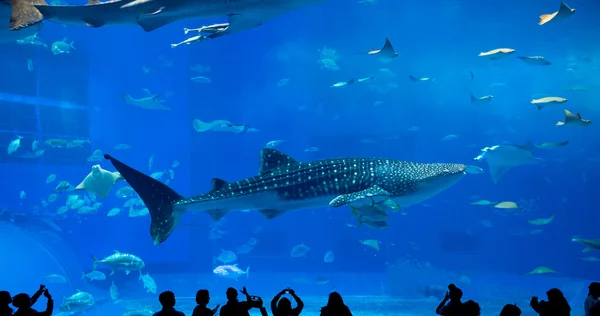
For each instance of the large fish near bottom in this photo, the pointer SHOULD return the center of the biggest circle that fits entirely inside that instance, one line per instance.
(284, 184)
(152, 14)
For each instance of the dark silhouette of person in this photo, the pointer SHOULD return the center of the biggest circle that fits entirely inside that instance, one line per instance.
(23, 302)
(167, 300)
(556, 305)
(202, 299)
(591, 301)
(283, 306)
(6, 299)
(335, 306)
(510, 310)
(471, 308)
(453, 308)
(235, 307)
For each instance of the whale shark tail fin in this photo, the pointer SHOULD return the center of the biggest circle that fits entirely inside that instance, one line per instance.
(158, 198)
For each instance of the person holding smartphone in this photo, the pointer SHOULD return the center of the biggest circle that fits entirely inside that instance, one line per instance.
(23, 302)
(283, 306)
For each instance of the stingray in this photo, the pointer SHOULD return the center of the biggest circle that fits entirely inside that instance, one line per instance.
(563, 12)
(573, 120)
(502, 158)
(99, 181)
(221, 126)
(149, 102)
(535, 60)
(385, 54)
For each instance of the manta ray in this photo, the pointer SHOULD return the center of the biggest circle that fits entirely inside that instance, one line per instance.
(502, 158)
(386, 54)
(285, 184)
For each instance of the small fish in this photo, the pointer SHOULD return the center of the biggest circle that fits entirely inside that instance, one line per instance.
(541, 270)
(535, 60)
(542, 221)
(283, 82)
(343, 83)
(497, 53)
(50, 178)
(54, 278)
(122, 147)
(415, 79)
(114, 292)
(312, 149)
(14, 145)
(507, 205)
(590, 259)
(201, 79)
(231, 271)
(113, 212)
(149, 283)
(371, 243)
(329, 257)
(483, 202)
(299, 251)
(94, 275)
(543, 102)
(483, 99)
(62, 47)
(273, 143)
(227, 256)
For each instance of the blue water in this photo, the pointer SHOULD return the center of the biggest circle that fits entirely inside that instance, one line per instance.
(78, 96)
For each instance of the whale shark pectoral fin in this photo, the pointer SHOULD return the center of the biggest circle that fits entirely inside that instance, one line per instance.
(237, 23)
(217, 214)
(271, 213)
(24, 13)
(369, 193)
(151, 21)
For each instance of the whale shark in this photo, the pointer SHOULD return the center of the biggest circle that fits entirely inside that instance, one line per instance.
(285, 184)
(153, 14)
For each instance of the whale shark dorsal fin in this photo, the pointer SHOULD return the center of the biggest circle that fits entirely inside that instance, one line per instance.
(271, 159)
(217, 184)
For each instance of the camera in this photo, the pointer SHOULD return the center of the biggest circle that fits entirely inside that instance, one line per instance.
(255, 301)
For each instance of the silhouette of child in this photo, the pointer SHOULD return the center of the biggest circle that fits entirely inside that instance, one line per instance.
(453, 308)
(335, 306)
(23, 302)
(591, 300)
(202, 299)
(471, 308)
(167, 300)
(283, 306)
(510, 310)
(556, 305)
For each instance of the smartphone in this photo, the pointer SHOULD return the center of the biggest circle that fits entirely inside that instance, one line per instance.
(254, 298)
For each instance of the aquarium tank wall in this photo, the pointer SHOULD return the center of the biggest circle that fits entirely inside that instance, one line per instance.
(377, 149)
